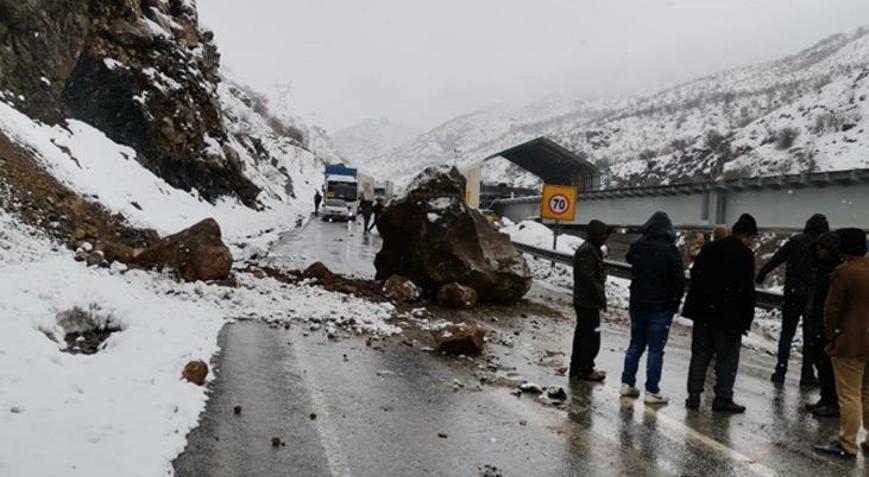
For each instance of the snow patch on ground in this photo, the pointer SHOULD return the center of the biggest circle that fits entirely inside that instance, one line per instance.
(535, 234)
(128, 398)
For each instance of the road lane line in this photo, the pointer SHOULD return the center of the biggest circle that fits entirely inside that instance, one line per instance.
(677, 426)
(323, 425)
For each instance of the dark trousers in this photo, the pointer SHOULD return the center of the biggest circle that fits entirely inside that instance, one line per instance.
(586, 341)
(708, 342)
(824, 365)
(366, 220)
(795, 308)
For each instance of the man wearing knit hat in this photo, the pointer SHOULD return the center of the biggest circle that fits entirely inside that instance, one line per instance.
(721, 303)
(846, 322)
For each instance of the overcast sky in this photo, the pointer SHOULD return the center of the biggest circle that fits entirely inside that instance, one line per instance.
(422, 62)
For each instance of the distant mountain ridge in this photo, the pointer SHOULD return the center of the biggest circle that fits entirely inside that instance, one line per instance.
(368, 141)
(805, 112)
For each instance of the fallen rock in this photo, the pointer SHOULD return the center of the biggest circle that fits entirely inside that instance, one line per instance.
(117, 252)
(433, 238)
(531, 388)
(556, 394)
(401, 289)
(460, 339)
(195, 372)
(319, 271)
(237, 410)
(196, 253)
(456, 295)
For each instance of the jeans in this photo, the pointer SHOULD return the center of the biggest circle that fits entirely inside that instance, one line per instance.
(795, 308)
(724, 345)
(586, 341)
(647, 330)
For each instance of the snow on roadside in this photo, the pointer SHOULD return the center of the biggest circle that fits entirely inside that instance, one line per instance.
(535, 234)
(66, 414)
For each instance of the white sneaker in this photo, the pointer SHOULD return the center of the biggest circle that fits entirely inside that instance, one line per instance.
(655, 398)
(629, 391)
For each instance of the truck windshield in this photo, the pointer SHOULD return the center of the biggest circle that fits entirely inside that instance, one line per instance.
(341, 190)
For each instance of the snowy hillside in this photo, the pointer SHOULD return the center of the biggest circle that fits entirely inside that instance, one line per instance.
(369, 141)
(722, 123)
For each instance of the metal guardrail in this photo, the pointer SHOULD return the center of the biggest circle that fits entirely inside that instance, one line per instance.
(766, 299)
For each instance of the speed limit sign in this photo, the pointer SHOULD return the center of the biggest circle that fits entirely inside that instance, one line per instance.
(559, 202)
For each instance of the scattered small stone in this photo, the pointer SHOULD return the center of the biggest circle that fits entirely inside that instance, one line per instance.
(346, 359)
(489, 471)
(458, 383)
(276, 441)
(556, 394)
(313, 416)
(16, 410)
(442, 435)
(530, 388)
(236, 410)
(523, 422)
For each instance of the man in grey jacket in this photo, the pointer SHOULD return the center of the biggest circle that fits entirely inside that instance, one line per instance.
(589, 298)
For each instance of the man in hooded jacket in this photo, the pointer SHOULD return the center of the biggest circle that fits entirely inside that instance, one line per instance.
(589, 298)
(721, 302)
(657, 286)
(796, 253)
(825, 258)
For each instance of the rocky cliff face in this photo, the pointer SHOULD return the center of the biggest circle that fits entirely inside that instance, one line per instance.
(142, 71)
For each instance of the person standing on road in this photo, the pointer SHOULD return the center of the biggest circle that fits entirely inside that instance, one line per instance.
(846, 322)
(657, 286)
(798, 277)
(317, 199)
(376, 210)
(589, 298)
(826, 257)
(721, 302)
(365, 209)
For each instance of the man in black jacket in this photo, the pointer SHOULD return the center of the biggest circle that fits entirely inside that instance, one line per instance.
(657, 286)
(798, 285)
(825, 257)
(721, 303)
(589, 298)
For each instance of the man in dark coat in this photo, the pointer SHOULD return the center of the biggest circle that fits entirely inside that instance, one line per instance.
(657, 286)
(798, 284)
(589, 298)
(721, 303)
(376, 210)
(366, 208)
(826, 257)
(317, 199)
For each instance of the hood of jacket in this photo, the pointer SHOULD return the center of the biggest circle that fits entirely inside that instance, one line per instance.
(659, 224)
(816, 225)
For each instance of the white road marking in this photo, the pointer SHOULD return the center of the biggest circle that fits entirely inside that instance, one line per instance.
(323, 425)
(688, 433)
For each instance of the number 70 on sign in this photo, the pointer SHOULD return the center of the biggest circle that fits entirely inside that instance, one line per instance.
(558, 203)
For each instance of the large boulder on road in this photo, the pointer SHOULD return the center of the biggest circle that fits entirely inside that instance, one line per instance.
(196, 253)
(433, 238)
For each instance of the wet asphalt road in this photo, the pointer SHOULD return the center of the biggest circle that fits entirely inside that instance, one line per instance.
(380, 410)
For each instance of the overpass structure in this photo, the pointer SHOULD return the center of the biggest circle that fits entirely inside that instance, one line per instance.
(543, 157)
(778, 202)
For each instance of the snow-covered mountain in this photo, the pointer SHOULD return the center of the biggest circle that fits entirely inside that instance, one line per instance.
(800, 113)
(369, 141)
